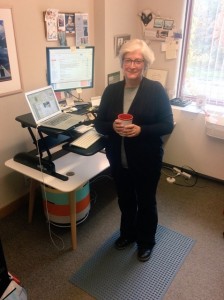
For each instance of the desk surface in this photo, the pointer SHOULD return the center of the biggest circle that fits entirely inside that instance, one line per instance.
(83, 167)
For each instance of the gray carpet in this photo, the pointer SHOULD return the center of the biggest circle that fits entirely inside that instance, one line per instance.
(118, 275)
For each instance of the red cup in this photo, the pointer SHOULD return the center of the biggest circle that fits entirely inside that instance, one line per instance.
(125, 118)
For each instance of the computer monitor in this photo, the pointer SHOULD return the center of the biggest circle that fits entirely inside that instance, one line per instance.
(70, 68)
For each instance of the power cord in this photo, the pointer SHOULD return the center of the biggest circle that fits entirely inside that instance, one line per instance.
(77, 98)
(51, 232)
(190, 178)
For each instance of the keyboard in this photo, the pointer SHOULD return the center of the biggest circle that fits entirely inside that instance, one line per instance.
(58, 119)
(87, 139)
(180, 102)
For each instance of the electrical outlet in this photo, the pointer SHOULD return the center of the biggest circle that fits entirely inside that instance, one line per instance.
(186, 175)
(176, 170)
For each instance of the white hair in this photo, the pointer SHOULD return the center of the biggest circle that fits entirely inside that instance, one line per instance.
(137, 44)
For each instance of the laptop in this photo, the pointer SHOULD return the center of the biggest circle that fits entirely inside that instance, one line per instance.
(46, 110)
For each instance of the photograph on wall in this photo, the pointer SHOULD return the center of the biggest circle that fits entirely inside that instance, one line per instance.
(81, 29)
(113, 77)
(119, 40)
(168, 24)
(61, 30)
(61, 22)
(10, 81)
(51, 19)
(5, 73)
(158, 23)
(70, 23)
(156, 35)
(162, 34)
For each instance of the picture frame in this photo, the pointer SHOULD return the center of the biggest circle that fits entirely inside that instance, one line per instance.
(168, 24)
(10, 81)
(81, 29)
(70, 23)
(119, 40)
(50, 24)
(113, 77)
(158, 23)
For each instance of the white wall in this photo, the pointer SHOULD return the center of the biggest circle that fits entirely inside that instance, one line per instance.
(121, 18)
(189, 145)
(111, 18)
(100, 53)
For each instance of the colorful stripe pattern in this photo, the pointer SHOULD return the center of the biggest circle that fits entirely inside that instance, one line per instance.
(57, 204)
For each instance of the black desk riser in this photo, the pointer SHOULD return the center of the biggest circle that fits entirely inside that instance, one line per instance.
(49, 138)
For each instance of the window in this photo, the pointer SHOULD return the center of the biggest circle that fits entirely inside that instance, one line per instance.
(202, 63)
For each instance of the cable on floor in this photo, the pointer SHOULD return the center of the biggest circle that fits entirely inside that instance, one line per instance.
(177, 174)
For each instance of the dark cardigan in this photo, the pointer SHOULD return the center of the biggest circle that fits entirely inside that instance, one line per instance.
(151, 110)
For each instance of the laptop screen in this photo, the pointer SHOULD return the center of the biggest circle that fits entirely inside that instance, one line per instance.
(43, 104)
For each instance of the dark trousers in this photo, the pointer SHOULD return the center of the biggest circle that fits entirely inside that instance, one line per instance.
(137, 201)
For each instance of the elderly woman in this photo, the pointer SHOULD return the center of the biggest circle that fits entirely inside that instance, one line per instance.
(135, 150)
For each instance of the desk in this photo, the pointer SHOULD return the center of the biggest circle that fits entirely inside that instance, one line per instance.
(84, 168)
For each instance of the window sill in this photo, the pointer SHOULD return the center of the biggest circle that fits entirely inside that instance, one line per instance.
(192, 108)
(212, 115)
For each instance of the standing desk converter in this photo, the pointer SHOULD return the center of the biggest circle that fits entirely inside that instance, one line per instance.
(49, 137)
(69, 164)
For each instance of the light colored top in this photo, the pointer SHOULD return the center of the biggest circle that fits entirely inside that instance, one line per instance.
(129, 95)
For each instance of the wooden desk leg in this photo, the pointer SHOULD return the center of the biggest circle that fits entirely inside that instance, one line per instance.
(72, 202)
(33, 186)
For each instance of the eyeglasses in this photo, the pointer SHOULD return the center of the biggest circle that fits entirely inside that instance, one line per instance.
(136, 62)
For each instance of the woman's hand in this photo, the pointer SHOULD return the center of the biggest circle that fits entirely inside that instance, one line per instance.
(130, 130)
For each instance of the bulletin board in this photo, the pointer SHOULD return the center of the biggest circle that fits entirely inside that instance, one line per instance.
(162, 29)
(59, 25)
(156, 27)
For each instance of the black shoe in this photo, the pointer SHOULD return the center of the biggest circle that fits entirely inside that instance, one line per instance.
(144, 254)
(122, 243)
